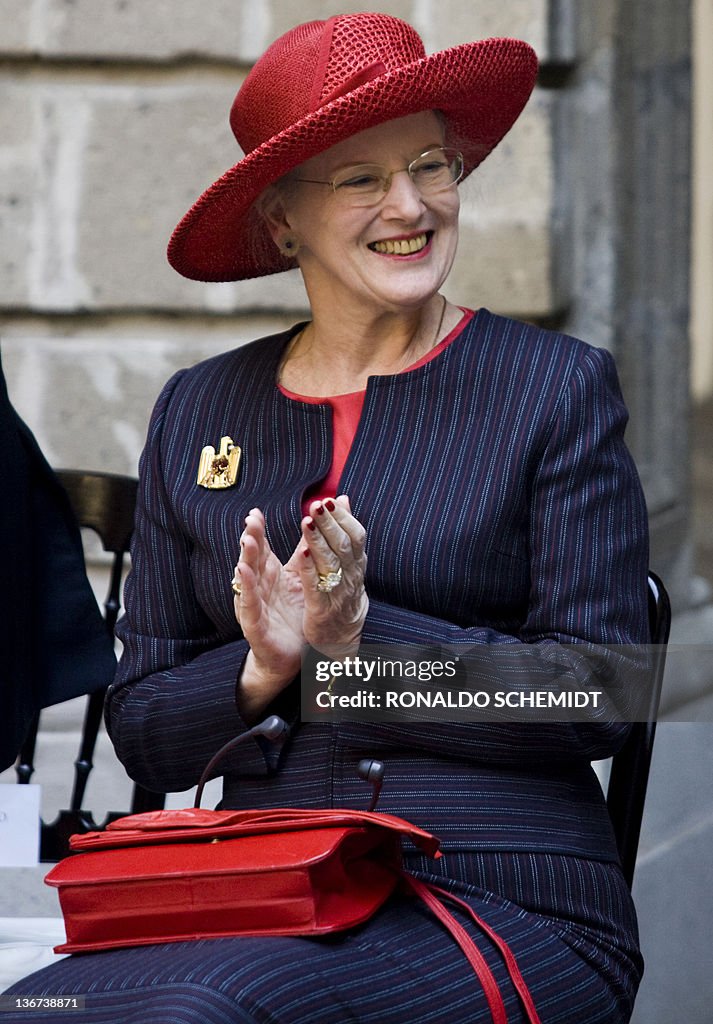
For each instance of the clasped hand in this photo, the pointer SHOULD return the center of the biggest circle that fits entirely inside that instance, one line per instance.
(281, 608)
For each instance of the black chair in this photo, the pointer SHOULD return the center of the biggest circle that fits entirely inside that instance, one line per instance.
(104, 503)
(629, 775)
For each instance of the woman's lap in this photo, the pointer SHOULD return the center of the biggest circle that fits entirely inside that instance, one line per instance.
(400, 966)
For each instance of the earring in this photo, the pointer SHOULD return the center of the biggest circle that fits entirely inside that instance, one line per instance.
(289, 247)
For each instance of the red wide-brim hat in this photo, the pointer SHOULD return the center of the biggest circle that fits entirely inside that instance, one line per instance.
(323, 82)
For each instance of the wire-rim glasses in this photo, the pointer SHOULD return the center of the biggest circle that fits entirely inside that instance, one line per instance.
(366, 184)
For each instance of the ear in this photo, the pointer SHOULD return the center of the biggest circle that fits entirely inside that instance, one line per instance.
(276, 217)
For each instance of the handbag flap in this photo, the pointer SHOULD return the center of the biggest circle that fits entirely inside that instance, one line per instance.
(200, 824)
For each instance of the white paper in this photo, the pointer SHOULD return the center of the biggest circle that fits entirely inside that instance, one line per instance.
(19, 825)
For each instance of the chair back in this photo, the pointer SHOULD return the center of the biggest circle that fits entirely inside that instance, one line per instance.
(629, 775)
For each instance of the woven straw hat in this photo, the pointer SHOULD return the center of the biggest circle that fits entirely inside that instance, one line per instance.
(323, 82)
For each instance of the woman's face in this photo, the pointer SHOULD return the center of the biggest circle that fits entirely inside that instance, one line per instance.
(342, 253)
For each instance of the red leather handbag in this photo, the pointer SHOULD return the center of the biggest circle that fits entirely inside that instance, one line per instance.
(168, 876)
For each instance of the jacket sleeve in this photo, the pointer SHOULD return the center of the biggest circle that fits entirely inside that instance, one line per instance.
(173, 701)
(588, 544)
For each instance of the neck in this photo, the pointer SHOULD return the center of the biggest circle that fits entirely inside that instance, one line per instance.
(331, 357)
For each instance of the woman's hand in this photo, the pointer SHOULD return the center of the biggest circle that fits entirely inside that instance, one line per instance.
(283, 607)
(333, 542)
(269, 609)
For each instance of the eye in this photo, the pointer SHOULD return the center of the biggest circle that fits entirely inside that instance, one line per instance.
(366, 179)
(432, 166)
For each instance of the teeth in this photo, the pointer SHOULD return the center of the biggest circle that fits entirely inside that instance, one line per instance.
(401, 247)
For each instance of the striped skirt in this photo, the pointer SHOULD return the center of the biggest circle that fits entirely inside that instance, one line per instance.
(570, 923)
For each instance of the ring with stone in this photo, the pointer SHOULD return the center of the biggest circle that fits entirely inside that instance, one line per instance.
(235, 587)
(327, 581)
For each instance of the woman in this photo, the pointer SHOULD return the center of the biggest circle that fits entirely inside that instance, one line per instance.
(410, 472)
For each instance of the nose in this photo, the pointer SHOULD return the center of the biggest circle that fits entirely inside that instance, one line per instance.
(402, 199)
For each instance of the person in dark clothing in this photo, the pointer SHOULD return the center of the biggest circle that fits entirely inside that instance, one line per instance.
(53, 643)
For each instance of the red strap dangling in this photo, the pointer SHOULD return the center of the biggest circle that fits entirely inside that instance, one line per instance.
(432, 896)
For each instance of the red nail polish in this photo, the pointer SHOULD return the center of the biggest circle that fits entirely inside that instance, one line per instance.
(306, 553)
(330, 505)
(320, 510)
(311, 525)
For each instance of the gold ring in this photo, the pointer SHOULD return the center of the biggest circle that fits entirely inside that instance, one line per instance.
(329, 580)
(235, 587)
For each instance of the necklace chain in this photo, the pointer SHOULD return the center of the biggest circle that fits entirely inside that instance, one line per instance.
(294, 342)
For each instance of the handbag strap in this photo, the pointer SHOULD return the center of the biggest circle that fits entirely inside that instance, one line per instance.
(272, 729)
(432, 896)
(275, 730)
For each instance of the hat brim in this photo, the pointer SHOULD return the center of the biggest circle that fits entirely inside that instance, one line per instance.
(480, 87)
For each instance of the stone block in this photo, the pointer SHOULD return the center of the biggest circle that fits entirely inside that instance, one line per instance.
(504, 258)
(18, 19)
(240, 30)
(444, 23)
(86, 391)
(517, 179)
(148, 153)
(162, 30)
(44, 190)
(485, 274)
(151, 151)
(18, 189)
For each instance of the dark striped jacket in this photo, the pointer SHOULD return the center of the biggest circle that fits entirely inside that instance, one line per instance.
(501, 506)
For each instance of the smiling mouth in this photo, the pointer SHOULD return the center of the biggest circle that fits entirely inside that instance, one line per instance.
(402, 246)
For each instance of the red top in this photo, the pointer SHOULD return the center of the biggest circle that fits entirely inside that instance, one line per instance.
(346, 412)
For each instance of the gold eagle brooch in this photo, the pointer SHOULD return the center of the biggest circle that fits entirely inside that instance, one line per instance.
(217, 472)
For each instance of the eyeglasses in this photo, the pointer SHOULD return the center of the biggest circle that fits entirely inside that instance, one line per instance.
(366, 184)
